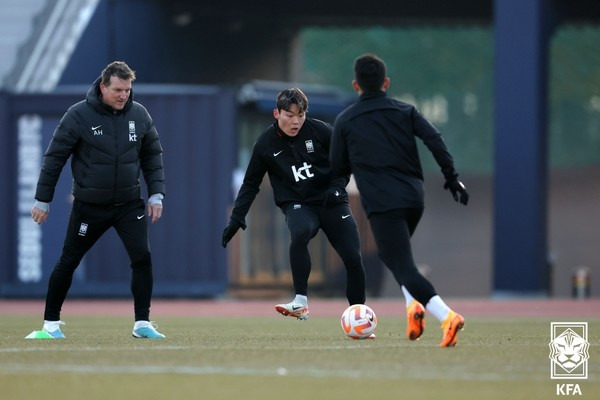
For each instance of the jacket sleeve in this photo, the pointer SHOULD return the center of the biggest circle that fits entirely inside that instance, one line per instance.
(338, 154)
(434, 141)
(151, 160)
(64, 139)
(324, 133)
(253, 177)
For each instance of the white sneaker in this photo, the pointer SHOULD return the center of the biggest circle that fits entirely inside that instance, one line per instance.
(293, 309)
(146, 330)
(52, 328)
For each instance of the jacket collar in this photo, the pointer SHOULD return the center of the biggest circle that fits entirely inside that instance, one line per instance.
(372, 95)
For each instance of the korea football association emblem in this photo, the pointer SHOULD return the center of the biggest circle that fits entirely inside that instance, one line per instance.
(310, 148)
(569, 350)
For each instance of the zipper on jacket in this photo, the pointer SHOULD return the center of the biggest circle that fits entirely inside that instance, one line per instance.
(116, 157)
(296, 155)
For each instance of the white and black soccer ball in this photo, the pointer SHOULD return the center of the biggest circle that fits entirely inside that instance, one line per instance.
(359, 321)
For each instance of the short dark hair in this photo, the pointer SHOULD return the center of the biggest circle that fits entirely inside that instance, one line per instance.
(118, 69)
(287, 97)
(370, 72)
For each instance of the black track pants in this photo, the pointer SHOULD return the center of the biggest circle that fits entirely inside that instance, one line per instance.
(87, 224)
(392, 231)
(339, 226)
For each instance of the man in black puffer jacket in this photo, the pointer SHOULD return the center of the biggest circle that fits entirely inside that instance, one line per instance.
(111, 140)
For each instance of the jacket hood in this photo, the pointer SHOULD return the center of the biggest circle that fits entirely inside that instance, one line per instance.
(93, 98)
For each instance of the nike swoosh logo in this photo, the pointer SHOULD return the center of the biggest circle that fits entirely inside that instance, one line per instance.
(96, 127)
(278, 153)
(140, 216)
(345, 216)
(294, 308)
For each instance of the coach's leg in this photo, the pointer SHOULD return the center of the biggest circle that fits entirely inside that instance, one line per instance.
(132, 228)
(86, 225)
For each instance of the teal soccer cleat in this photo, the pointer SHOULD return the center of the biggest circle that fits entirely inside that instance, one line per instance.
(146, 330)
(53, 329)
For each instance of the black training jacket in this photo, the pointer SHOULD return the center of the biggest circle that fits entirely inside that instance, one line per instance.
(298, 168)
(108, 150)
(375, 139)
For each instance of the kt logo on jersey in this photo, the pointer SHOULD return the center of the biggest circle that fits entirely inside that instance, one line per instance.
(302, 173)
(132, 134)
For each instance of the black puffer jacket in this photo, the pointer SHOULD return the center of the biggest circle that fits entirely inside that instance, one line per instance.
(109, 150)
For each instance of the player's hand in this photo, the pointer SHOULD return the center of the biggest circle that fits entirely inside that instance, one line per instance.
(332, 196)
(232, 227)
(38, 215)
(458, 190)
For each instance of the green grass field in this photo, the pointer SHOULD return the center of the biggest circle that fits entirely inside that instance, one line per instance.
(281, 358)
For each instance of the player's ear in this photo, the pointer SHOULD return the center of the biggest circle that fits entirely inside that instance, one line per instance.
(275, 113)
(355, 86)
(386, 83)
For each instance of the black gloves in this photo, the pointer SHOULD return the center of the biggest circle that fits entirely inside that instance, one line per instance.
(457, 188)
(230, 230)
(333, 196)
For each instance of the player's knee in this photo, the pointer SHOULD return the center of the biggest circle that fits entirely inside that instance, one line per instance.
(68, 262)
(353, 262)
(144, 260)
(301, 236)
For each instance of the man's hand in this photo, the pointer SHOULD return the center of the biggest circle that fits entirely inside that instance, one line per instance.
(154, 207)
(40, 211)
(458, 190)
(154, 211)
(232, 227)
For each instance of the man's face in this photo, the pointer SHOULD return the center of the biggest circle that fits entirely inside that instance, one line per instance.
(116, 93)
(290, 121)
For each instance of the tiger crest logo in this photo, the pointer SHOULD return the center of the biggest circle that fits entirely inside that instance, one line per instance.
(569, 350)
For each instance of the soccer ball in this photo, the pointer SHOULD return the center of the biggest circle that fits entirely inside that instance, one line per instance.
(359, 321)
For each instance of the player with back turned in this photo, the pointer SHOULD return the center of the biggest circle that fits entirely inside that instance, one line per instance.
(375, 139)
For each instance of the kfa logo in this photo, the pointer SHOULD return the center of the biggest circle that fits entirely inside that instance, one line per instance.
(96, 130)
(569, 354)
(568, 389)
(309, 146)
(83, 229)
(132, 135)
(304, 169)
(569, 350)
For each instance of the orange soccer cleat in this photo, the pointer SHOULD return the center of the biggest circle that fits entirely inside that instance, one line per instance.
(450, 327)
(415, 318)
